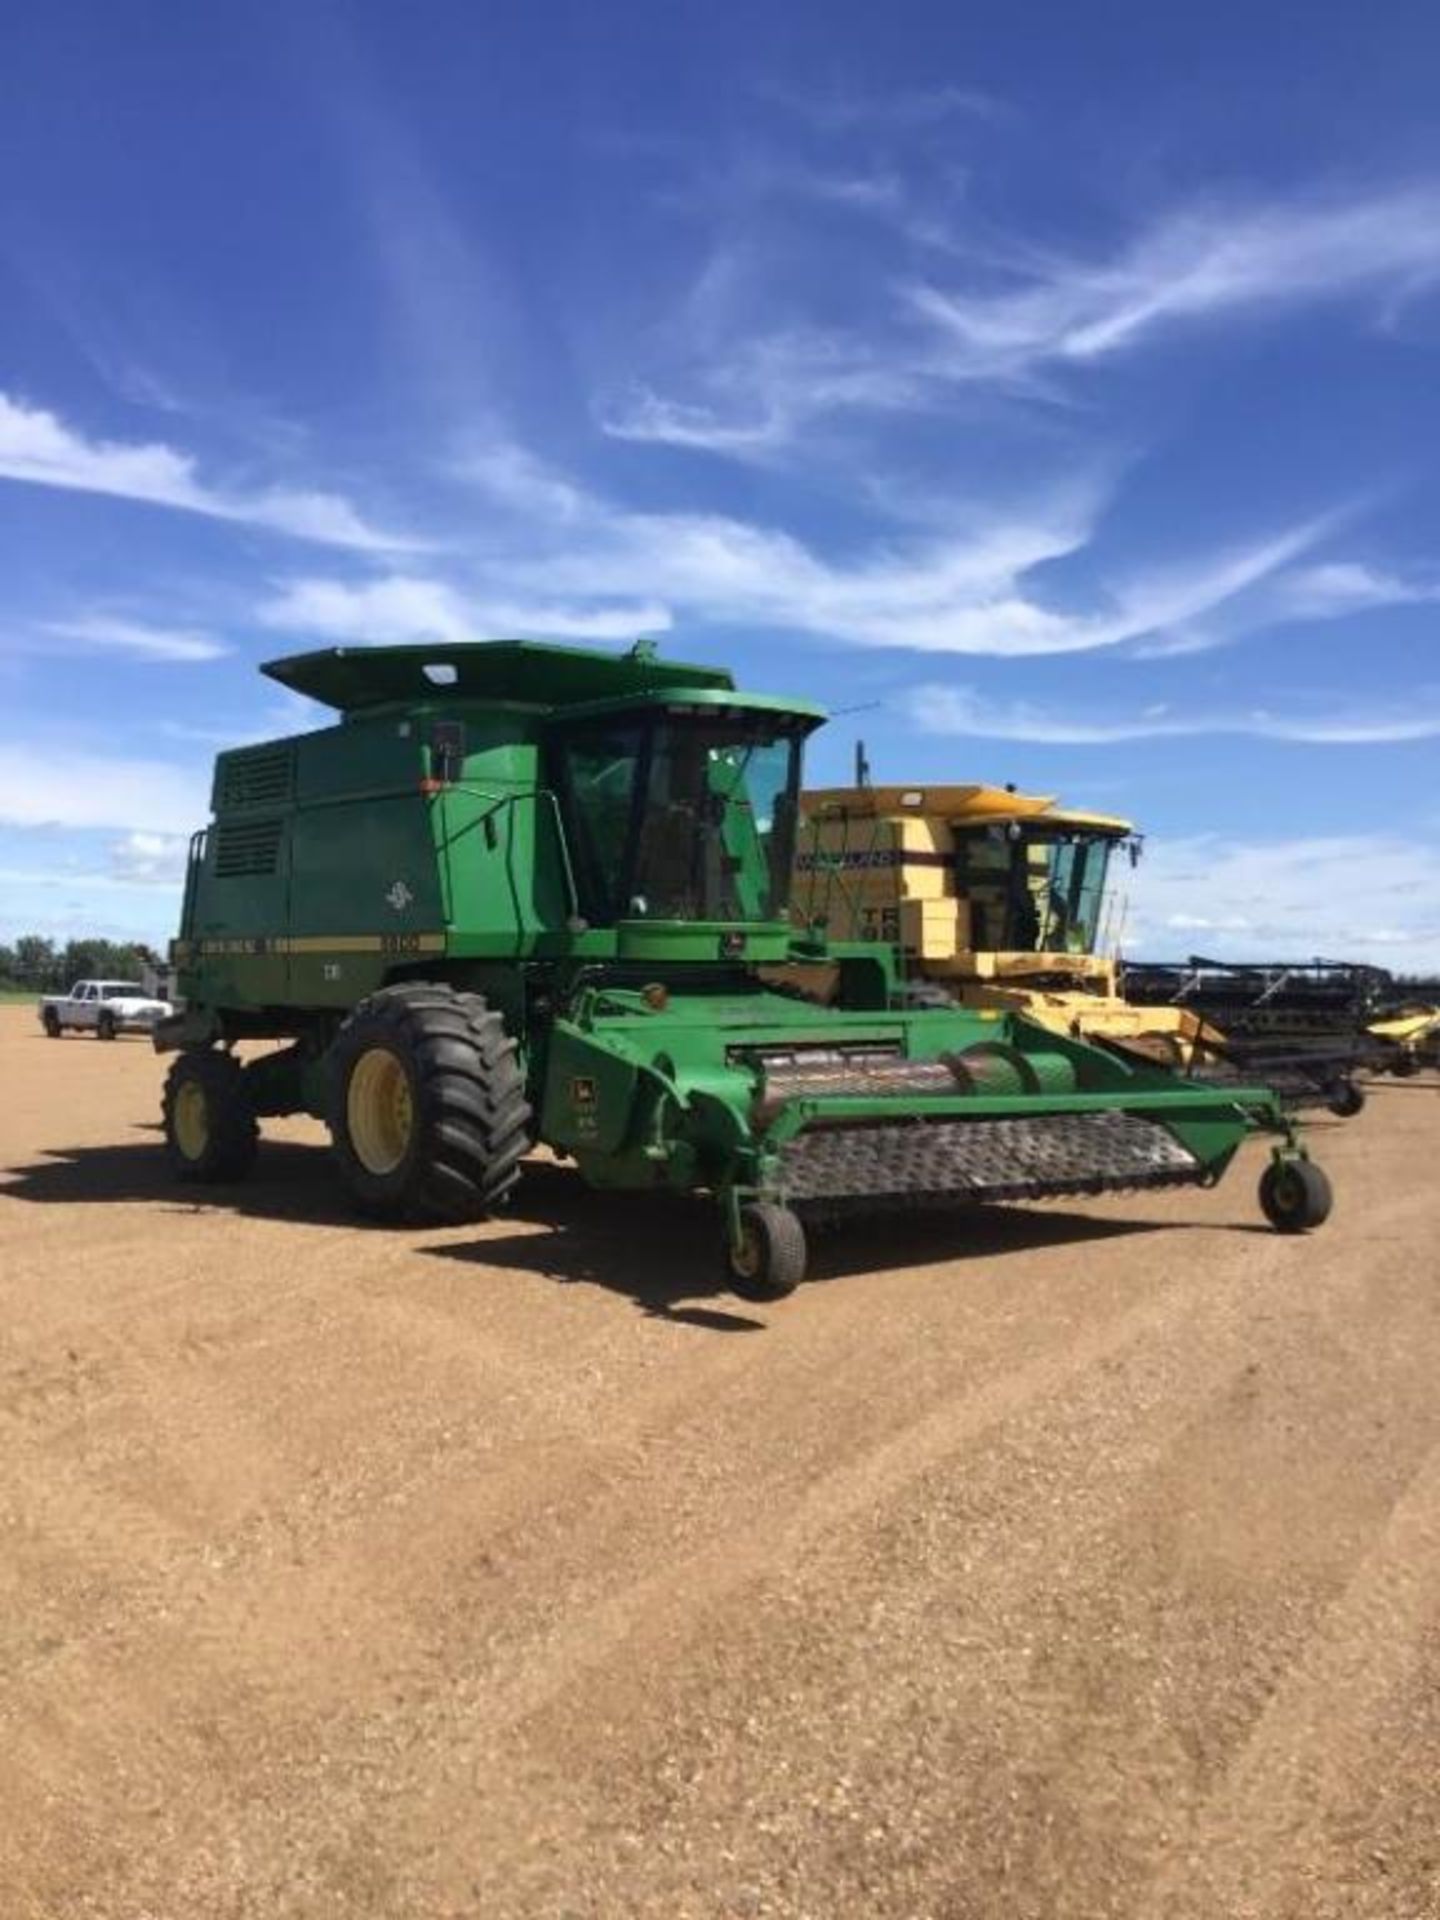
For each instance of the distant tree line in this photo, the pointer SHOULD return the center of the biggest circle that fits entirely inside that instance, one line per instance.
(33, 964)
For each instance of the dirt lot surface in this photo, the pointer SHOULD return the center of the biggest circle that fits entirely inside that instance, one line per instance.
(1075, 1562)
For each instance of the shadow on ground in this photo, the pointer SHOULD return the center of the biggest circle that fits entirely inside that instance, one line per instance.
(291, 1181)
(663, 1251)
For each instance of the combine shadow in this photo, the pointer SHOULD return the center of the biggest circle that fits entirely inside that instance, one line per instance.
(291, 1182)
(662, 1250)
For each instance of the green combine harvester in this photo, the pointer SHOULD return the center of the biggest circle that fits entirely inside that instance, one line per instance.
(525, 893)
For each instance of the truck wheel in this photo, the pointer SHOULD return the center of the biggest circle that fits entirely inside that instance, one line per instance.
(769, 1259)
(427, 1105)
(105, 1027)
(210, 1130)
(1295, 1195)
(50, 1020)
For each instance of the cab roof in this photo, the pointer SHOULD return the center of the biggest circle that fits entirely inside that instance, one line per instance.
(527, 672)
(977, 805)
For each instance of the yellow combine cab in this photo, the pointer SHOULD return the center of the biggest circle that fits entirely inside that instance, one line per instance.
(996, 898)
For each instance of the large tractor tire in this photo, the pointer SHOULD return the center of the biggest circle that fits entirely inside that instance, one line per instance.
(427, 1105)
(210, 1128)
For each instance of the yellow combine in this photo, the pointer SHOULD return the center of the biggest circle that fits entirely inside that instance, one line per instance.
(996, 899)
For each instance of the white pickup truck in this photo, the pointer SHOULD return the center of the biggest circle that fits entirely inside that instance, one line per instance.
(102, 1007)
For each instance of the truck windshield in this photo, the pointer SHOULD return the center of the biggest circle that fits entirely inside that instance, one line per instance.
(1033, 892)
(683, 816)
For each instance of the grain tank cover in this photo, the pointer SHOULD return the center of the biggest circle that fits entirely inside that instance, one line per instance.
(526, 672)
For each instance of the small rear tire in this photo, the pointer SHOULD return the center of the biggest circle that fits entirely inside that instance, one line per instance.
(768, 1261)
(1346, 1100)
(1295, 1196)
(105, 1027)
(1405, 1066)
(50, 1020)
(211, 1133)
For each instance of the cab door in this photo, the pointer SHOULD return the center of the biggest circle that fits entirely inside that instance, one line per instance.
(86, 998)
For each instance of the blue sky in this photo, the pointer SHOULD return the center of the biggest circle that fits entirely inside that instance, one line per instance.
(1056, 388)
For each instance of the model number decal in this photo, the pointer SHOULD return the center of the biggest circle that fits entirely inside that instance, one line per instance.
(400, 943)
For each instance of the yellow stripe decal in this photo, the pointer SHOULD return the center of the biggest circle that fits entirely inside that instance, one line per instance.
(262, 947)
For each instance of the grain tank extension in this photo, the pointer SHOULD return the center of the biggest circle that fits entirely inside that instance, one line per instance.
(524, 893)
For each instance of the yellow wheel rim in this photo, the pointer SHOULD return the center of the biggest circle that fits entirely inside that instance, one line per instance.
(379, 1111)
(191, 1119)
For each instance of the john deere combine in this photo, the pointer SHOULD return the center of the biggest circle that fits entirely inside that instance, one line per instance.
(523, 893)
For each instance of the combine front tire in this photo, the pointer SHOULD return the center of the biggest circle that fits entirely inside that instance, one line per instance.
(768, 1259)
(210, 1128)
(427, 1105)
(1295, 1195)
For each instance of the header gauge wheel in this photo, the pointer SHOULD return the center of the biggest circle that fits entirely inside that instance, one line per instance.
(768, 1260)
(1295, 1196)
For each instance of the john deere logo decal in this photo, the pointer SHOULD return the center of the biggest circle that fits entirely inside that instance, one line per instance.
(582, 1093)
(399, 896)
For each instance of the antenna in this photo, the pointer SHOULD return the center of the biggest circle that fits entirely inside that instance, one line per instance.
(862, 765)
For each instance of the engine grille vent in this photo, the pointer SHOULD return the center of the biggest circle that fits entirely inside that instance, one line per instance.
(245, 847)
(257, 777)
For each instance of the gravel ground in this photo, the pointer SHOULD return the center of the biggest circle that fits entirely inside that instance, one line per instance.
(1075, 1562)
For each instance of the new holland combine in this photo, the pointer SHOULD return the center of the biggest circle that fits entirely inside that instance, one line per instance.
(1000, 899)
(996, 900)
(521, 893)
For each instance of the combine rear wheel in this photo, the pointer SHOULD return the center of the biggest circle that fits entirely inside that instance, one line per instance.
(210, 1128)
(768, 1260)
(427, 1105)
(1295, 1195)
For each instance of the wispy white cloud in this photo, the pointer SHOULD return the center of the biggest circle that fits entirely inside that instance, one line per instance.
(1372, 897)
(401, 608)
(40, 788)
(150, 859)
(970, 589)
(963, 712)
(1186, 267)
(104, 633)
(38, 449)
(1342, 587)
(1007, 318)
(904, 110)
(754, 401)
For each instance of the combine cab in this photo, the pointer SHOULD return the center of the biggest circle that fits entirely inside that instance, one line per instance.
(523, 893)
